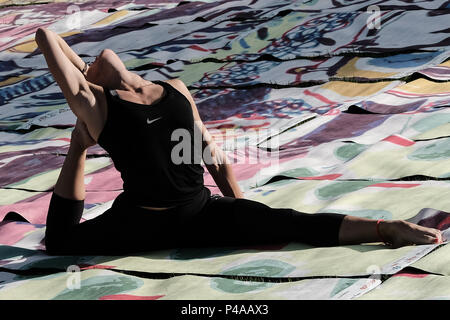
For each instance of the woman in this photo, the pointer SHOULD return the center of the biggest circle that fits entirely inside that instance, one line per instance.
(165, 204)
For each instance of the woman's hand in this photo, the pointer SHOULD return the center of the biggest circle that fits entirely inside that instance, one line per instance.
(81, 136)
(402, 233)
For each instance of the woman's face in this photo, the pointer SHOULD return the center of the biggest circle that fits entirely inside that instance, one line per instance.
(93, 70)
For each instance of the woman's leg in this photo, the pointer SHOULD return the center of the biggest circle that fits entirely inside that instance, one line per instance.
(65, 235)
(122, 229)
(230, 221)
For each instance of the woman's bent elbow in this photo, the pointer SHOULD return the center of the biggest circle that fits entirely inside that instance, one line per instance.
(40, 35)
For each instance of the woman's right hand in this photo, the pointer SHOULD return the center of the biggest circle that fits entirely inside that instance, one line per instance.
(81, 136)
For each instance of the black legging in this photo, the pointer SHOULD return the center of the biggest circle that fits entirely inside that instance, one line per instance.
(218, 221)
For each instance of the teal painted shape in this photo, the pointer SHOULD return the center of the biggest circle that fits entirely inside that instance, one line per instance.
(7, 252)
(244, 44)
(237, 286)
(369, 214)
(99, 286)
(349, 151)
(299, 172)
(56, 262)
(446, 175)
(435, 151)
(431, 122)
(340, 188)
(342, 284)
(257, 268)
(405, 60)
(261, 268)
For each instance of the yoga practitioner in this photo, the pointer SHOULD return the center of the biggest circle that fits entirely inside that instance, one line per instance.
(164, 203)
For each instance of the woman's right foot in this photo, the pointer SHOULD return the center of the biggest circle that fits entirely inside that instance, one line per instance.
(399, 233)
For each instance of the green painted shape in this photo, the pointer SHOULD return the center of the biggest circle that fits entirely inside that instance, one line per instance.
(349, 151)
(369, 214)
(55, 262)
(133, 63)
(299, 172)
(7, 252)
(342, 284)
(237, 286)
(261, 268)
(431, 122)
(99, 286)
(446, 175)
(257, 268)
(435, 151)
(342, 187)
(282, 182)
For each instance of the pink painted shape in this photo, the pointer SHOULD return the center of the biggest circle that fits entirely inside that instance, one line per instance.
(318, 97)
(35, 209)
(215, 121)
(8, 19)
(332, 112)
(401, 141)
(246, 166)
(96, 266)
(411, 275)
(19, 32)
(13, 232)
(105, 179)
(101, 197)
(198, 48)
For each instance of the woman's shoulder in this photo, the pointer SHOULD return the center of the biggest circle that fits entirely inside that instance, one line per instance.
(180, 86)
(177, 83)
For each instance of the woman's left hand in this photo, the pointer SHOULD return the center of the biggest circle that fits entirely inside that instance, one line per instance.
(81, 136)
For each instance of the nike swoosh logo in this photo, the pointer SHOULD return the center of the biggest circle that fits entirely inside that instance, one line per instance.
(153, 120)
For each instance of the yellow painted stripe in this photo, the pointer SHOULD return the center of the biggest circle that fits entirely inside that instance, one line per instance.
(31, 45)
(350, 70)
(13, 80)
(425, 86)
(111, 18)
(445, 64)
(352, 89)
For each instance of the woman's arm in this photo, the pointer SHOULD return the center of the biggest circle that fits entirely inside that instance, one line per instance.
(220, 168)
(70, 183)
(68, 52)
(216, 161)
(65, 67)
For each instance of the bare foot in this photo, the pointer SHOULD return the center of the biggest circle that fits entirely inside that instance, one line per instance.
(399, 233)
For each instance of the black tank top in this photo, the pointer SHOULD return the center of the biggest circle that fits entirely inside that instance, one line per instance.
(139, 138)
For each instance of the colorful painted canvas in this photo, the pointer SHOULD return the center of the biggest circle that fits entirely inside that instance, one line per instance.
(320, 106)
